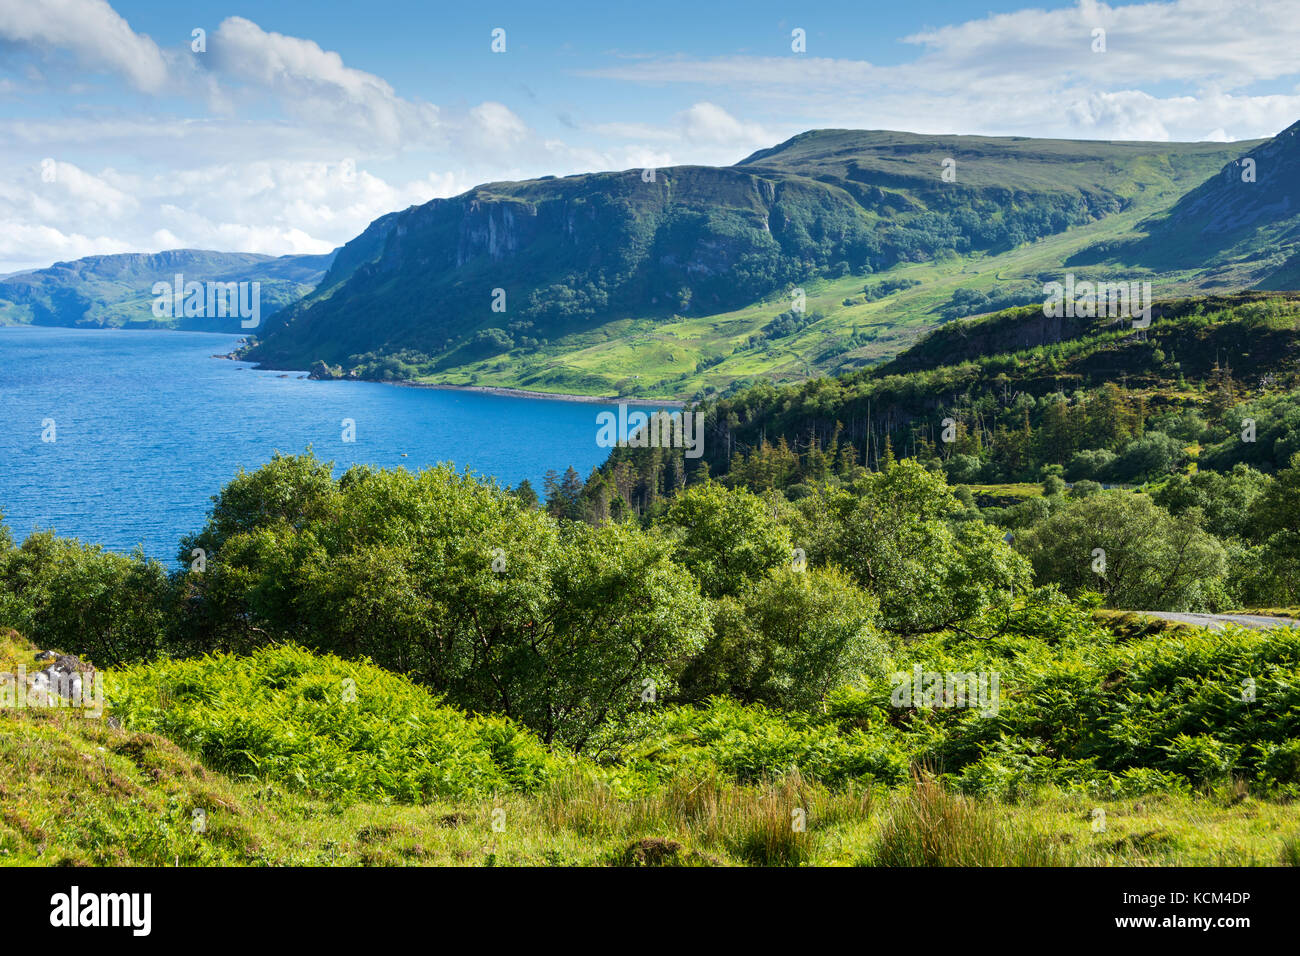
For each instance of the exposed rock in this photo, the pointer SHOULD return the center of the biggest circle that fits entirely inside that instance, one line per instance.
(64, 678)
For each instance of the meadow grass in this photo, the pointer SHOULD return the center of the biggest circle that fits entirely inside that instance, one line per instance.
(76, 791)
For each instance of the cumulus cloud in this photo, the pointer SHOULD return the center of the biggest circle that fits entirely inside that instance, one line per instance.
(272, 207)
(90, 30)
(703, 133)
(18, 240)
(286, 159)
(707, 123)
(1036, 72)
(316, 85)
(494, 126)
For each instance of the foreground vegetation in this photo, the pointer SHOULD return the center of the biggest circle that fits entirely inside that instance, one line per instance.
(81, 791)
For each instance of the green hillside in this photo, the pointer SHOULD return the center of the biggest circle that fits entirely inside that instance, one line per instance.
(1025, 392)
(616, 284)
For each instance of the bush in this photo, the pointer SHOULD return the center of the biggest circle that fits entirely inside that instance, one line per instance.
(789, 640)
(329, 727)
(1131, 551)
(84, 600)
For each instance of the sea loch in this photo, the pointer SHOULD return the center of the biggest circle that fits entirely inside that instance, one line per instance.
(148, 425)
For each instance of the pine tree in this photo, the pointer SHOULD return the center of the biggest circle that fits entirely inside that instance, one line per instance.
(571, 493)
(526, 494)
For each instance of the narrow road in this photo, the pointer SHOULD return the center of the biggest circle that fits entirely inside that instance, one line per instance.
(1216, 621)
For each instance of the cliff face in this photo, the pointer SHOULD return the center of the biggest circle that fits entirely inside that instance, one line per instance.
(1249, 213)
(567, 252)
(1261, 188)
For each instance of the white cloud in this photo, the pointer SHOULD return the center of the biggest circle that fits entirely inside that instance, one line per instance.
(92, 31)
(271, 207)
(492, 126)
(704, 133)
(19, 241)
(1033, 72)
(316, 85)
(710, 124)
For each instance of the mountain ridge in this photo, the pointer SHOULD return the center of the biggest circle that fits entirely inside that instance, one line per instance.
(579, 262)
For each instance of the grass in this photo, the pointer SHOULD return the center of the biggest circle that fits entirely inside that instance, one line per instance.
(928, 826)
(75, 791)
(82, 791)
(1293, 612)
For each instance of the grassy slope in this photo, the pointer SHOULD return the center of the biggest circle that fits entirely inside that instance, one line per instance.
(660, 359)
(79, 791)
(76, 791)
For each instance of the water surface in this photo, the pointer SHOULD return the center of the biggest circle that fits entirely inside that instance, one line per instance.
(148, 425)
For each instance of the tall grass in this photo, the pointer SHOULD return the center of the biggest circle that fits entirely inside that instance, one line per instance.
(1289, 855)
(926, 825)
(770, 824)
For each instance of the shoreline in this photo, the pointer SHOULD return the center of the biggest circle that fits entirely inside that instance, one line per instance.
(555, 396)
(502, 390)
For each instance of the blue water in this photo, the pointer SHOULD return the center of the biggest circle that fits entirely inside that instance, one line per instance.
(149, 425)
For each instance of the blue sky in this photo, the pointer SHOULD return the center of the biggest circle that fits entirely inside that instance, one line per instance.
(300, 122)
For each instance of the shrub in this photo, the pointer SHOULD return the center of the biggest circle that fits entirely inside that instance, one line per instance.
(326, 726)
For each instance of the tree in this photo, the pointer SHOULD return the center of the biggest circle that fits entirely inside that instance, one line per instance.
(725, 536)
(1274, 521)
(289, 490)
(894, 532)
(1226, 501)
(564, 495)
(526, 494)
(1152, 456)
(789, 640)
(622, 622)
(1127, 548)
(109, 608)
(461, 586)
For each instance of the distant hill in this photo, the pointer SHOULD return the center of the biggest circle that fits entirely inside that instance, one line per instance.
(117, 290)
(638, 280)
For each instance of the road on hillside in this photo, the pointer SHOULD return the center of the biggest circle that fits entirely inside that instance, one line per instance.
(1217, 621)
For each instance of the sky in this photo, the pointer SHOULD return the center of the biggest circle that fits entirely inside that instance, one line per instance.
(287, 126)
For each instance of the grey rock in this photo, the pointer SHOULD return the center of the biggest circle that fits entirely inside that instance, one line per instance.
(64, 677)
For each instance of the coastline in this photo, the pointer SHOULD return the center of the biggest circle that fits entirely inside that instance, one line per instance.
(498, 390)
(556, 396)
